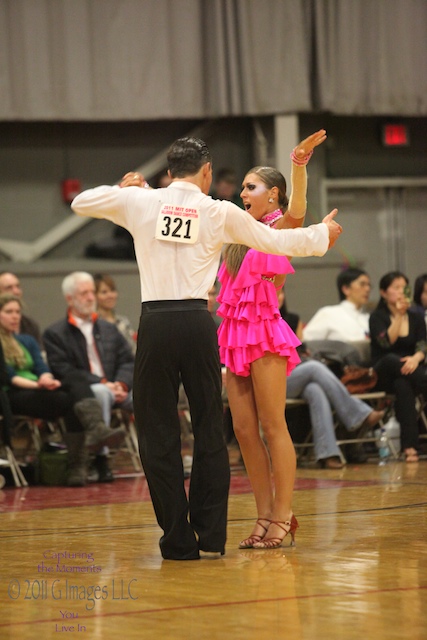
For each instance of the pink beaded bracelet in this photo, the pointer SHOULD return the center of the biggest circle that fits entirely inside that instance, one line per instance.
(301, 162)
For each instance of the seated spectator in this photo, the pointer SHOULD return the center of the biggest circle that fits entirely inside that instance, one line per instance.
(420, 296)
(399, 348)
(9, 283)
(106, 300)
(324, 393)
(346, 321)
(33, 391)
(225, 186)
(83, 342)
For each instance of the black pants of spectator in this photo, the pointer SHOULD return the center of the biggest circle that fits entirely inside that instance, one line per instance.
(51, 405)
(405, 388)
(177, 341)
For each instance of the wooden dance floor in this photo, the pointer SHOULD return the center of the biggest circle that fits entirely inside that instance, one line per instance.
(85, 562)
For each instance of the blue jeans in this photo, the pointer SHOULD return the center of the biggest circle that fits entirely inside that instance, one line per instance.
(106, 399)
(321, 389)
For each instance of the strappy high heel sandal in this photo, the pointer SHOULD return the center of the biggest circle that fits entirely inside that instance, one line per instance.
(290, 526)
(248, 543)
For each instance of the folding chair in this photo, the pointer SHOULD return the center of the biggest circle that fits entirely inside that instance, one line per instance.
(9, 460)
(36, 428)
(378, 400)
(122, 418)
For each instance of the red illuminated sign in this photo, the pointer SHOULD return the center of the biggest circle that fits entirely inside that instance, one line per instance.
(395, 135)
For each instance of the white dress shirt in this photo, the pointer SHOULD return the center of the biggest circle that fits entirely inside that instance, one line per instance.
(338, 322)
(179, 271)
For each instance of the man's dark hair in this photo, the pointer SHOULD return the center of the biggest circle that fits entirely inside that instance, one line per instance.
(346, 277)
(186, 156)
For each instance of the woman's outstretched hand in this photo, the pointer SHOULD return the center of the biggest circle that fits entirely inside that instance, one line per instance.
(306, 146)
(334, 228)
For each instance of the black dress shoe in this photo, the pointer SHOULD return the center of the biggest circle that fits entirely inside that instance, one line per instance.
(211, 555)
(104, 472)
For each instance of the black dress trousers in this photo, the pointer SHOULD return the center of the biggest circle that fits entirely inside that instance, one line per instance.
(177, 342)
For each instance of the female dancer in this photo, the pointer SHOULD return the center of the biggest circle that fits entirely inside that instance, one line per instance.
(259, 349)
(399, 348)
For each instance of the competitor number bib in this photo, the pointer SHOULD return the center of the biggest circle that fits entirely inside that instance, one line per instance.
(178, 224)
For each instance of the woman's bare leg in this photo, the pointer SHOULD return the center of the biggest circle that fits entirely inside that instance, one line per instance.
(269, 384)
(254, 452)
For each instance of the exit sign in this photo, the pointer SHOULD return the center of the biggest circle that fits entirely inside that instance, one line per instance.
(395, 135)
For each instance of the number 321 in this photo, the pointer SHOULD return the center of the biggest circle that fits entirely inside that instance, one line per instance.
(175, 228)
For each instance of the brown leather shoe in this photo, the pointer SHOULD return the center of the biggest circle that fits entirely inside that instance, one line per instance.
(331, 463)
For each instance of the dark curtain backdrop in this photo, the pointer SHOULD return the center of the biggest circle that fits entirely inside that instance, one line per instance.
(156, 59)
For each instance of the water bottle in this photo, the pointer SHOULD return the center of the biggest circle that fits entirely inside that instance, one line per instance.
(383, 448)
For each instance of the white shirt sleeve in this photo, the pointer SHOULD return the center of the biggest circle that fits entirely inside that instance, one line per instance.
(241, 228)
(103, 202)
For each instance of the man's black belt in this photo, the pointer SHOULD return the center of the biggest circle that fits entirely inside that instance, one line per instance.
(156, 306)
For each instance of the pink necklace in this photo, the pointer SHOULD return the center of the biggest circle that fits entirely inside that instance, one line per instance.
(270, 218)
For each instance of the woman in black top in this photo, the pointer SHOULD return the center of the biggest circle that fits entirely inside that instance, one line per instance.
(398, 348)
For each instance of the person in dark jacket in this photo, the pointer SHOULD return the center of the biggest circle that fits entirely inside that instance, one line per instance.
(83, 342)
(33, 390)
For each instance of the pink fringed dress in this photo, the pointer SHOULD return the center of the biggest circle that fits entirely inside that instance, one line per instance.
(252, 324)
